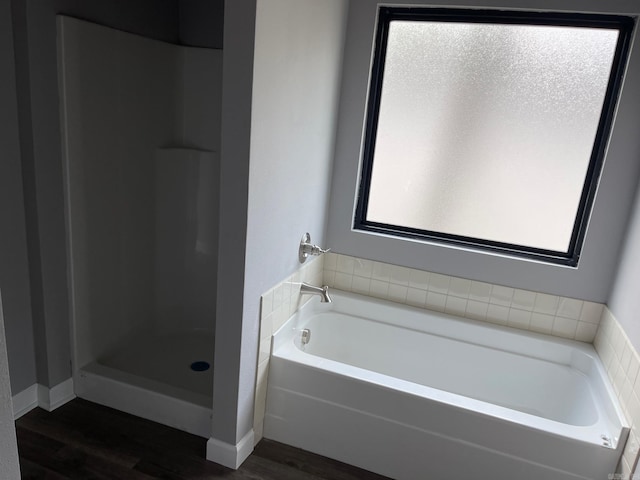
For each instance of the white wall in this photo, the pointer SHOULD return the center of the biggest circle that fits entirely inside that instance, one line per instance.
(296, 76)
(591, 280)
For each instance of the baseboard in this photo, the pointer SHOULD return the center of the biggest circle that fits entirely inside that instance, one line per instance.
(229, 455)
(40, 396)
(52, 398)
(25, 401)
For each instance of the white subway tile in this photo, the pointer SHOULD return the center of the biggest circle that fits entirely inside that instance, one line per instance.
(399, 275)
(455, 306)
(281, 318)
(497, 314)
(416, 297)
(634, 410)
(266, 303)
(278, 296)
(619, 379)
(360, 285)
(626, 392)
(625, 358)
(379, 288)
(501, 295)
(631, 448)
(545, 303)
(459, 287)
(343, 281)
(265, 350)
(345, 264)
(330, 261)
(617, 340)
(586, 332)
(436, 301)
(636, 385)
(363, 268)
(329, 278)
(286, 291)
(634, 366)
(564, 327)
(541, 322)
(476, 310)
(419, 279)
(480, 291)
(625, 469)
(439, 283)
(591, 312)
(569, 308)
(397, 293)
(262, 378)
(266, 327)
(381, 271)
(523, 300)
(519, 318)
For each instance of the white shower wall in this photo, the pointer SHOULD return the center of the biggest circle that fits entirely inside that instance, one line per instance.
(128, 105)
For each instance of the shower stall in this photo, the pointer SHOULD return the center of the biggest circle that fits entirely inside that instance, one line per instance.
(141, 132)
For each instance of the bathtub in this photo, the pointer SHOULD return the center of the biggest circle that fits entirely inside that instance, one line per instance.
(413, 394)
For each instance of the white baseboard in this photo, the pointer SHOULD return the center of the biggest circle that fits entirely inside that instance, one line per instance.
(44, 397)
(25, 401)
(229, 455)
(52, 398)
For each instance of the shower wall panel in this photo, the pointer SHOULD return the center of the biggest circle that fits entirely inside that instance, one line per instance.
(186, 239)
(123, 97)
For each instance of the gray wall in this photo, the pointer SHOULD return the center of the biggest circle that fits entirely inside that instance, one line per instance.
(14, 267)
(624, 301)
(9, 463)
(296, 78)
(35, 34)
(591, 281)
(237, 75)
(201, 23)
(13, 258)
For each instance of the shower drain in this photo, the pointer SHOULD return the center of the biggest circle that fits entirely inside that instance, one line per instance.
(200, 366)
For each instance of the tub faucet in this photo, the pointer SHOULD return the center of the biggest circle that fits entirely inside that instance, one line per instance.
(322, 291)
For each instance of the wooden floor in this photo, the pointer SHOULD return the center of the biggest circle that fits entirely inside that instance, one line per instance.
(82, 440)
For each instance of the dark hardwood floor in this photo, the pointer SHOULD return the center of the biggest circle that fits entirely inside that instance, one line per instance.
(82, 440)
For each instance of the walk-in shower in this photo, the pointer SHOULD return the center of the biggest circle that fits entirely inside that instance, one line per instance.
(141, 121)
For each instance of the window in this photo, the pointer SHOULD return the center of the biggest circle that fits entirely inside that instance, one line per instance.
(488, 129)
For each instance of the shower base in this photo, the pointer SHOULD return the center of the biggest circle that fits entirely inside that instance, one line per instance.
(150, 376)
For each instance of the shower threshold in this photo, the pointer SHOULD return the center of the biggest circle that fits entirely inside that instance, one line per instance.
(160, 377)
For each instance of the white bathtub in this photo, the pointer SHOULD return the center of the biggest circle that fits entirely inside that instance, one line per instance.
(413, 394)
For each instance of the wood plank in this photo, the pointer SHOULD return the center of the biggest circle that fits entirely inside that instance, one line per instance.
(83, 440)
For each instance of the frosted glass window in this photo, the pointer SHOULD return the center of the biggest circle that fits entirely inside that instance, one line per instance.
(487, 132)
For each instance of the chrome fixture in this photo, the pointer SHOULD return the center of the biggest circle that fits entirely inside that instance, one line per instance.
(306, 248)
(322, 291)
(306, 336)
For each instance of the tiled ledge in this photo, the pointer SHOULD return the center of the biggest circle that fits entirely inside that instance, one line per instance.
(622, 363)
(276, 306)
(539, 312)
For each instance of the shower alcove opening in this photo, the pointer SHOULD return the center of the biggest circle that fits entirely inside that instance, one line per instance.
(141, 128)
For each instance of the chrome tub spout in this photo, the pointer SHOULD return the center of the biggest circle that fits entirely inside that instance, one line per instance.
(323, 291)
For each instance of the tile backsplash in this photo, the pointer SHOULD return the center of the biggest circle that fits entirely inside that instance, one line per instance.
(539, 312)
(623, 364)
(276, 306)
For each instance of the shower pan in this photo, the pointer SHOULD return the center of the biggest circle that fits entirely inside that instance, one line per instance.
(141, 123)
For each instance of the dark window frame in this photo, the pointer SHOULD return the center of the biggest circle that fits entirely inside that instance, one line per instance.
(386, 15)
